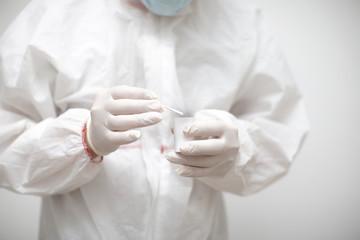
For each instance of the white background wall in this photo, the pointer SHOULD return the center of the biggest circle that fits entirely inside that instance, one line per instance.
(320, 196)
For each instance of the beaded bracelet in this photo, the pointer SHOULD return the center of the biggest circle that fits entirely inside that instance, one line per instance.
(86, 146)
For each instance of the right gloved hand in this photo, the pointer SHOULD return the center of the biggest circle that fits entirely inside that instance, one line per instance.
(116, 113)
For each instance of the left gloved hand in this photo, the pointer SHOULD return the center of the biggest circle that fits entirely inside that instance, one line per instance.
(216, 143)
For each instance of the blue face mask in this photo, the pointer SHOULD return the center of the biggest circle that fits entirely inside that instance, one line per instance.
(165, 7)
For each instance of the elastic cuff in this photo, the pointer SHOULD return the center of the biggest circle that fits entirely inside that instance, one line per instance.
(84, 137)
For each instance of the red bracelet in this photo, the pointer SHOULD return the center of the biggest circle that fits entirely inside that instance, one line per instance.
(86, 146)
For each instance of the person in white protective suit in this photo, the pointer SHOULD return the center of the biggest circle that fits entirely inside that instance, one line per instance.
(82, 125)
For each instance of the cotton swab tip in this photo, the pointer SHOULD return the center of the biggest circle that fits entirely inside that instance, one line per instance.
(174, 110)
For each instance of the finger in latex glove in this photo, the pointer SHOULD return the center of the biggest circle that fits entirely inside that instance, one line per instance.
(216, 144)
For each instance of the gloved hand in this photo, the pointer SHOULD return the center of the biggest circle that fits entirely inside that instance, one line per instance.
(115, 115)
(214, 149)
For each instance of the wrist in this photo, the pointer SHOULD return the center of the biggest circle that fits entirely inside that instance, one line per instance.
(87, 147)
(90, 150)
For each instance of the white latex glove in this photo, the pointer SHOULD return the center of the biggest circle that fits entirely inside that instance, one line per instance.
(115, 115)
(216, 145)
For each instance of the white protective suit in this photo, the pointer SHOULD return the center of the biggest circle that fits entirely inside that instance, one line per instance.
(213, 54)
